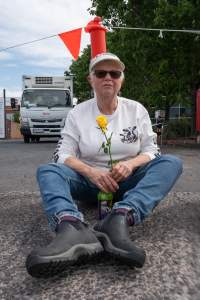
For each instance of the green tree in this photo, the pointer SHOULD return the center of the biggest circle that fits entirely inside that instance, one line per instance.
(159, 71)
(16, 117)
(79, 69)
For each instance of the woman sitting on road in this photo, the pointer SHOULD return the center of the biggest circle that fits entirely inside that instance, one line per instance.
(139, 180)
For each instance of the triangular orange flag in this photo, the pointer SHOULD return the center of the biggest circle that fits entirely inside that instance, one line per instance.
(72, 40)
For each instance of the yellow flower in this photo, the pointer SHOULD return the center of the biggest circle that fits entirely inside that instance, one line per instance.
(102, 122)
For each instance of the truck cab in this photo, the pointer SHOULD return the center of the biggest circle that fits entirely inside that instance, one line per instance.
(45, 104)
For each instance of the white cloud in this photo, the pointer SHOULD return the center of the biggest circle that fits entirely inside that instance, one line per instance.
(22, 21)
(5, 56)
(11, 92)
(51, 63)
(51, 52)
(10, 65)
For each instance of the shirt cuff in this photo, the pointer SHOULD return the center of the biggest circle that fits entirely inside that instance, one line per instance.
(150, 154)
(62, 158)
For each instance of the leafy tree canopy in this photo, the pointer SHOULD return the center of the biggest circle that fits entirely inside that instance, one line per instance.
(159, 71)
(79, 69)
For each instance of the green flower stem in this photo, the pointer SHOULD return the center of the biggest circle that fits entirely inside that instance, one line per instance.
(102, 196)
(109, 149)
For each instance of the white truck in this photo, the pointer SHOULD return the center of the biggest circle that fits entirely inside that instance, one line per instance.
(45, 104)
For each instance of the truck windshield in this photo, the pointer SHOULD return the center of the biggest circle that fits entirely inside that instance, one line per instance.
(48, 98)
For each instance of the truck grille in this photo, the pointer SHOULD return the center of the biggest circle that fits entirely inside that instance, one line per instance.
(46, 126)
(46, 121)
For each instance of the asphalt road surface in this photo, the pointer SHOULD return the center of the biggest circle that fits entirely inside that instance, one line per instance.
(170, 237)
(19, 162)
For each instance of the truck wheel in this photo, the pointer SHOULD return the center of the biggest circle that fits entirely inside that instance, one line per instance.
(37, 139)
(26, 139)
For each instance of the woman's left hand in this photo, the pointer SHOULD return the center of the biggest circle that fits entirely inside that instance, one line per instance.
(121, 170)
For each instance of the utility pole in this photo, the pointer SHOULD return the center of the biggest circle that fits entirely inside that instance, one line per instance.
(2, 116)
(4, 97)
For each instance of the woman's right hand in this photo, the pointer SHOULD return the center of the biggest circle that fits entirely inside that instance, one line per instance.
(103, 180)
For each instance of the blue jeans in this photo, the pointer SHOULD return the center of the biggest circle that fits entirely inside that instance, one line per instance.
(140, 192)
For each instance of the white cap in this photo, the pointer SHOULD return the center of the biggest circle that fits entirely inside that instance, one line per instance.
(105, 56)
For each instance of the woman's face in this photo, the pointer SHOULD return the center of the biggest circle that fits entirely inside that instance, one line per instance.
(106, 85)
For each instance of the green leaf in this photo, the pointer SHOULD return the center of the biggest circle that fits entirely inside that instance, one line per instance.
(105, 150)
(108, 143)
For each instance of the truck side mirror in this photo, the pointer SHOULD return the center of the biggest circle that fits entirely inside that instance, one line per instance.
(13, 102)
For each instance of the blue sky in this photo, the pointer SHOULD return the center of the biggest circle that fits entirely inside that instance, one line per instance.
(22, 21)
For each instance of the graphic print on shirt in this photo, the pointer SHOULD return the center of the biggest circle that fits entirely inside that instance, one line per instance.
(129, 135)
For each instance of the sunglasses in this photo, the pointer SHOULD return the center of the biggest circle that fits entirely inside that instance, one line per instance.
(103, 73)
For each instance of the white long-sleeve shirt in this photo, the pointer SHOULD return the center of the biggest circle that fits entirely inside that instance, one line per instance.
(130, 126)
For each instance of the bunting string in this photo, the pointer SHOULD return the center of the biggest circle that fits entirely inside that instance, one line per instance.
(77, 36)
(159, 29)
(26, 43)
